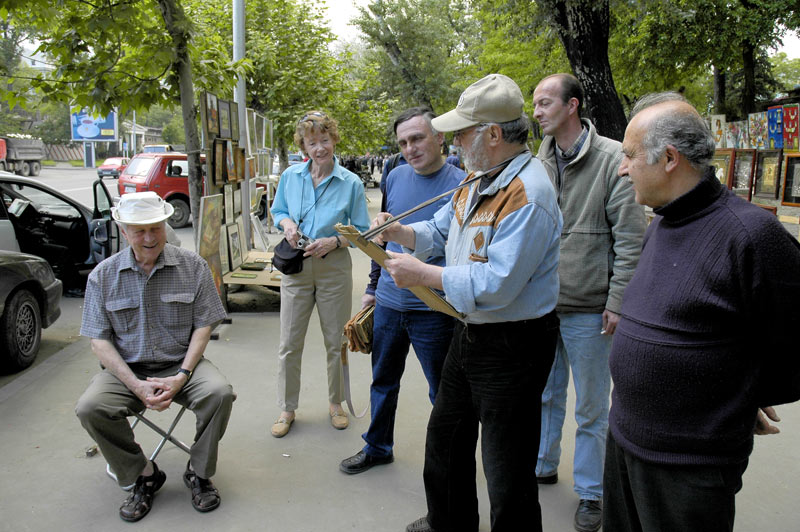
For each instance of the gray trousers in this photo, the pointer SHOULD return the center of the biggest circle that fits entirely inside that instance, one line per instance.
(104, 407)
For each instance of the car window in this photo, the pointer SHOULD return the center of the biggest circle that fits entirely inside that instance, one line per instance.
(178, 169)
(140, 167)
(44, 201)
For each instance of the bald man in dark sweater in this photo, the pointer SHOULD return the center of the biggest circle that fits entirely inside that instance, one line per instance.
(705, 335)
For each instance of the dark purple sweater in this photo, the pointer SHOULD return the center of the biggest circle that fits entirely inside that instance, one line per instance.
(706, 332)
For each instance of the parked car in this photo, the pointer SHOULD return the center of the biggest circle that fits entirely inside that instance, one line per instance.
(166, 174)
(295, 158)
(112, 167)
(39, 220)
(30, 296)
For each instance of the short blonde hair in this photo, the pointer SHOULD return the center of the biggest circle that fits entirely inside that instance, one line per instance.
(315, 121)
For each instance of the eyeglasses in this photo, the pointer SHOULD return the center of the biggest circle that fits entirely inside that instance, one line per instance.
(314, 113)
(462, 132)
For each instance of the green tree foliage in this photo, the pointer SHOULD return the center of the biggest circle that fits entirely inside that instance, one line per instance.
(426, 47)
(173, 132)
(673, 44)
(294, 70)
(785, 71)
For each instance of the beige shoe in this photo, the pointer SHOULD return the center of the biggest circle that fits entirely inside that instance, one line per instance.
(281, 427)
(339, 420)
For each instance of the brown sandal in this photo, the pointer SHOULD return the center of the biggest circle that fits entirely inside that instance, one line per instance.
(205, 496)
(139, 502)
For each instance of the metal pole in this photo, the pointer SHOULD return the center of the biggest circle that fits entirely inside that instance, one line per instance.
(240, 97)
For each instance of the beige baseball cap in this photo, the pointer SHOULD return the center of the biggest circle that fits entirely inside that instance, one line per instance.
(495, 98)
(141, 208)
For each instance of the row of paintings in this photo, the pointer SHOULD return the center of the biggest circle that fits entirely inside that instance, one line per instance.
(775, 128)
(759, 173)
(229, 163)
(220, 119)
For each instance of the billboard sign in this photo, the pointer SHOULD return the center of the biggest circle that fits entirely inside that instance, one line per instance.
(87, 127)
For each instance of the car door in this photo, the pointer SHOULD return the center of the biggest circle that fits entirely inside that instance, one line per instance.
(105, 233)
(8, 238)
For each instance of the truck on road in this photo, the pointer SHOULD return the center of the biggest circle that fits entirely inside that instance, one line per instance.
(21, 155)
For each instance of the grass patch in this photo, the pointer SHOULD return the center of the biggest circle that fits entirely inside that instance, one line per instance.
(78, 164)
(48, 162)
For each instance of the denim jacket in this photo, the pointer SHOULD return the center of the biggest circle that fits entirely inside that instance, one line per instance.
(502, 253)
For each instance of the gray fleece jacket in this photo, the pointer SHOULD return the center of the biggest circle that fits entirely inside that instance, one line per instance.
(603, 225)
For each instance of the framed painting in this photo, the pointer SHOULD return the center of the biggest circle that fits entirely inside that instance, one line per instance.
(722, 161)
(230, 161)
(791, 141)
(234, 245)
(234, 121)
(791, 180)
(237, 201)
(766, 183)
(224, 119)
(219, 163)
(223, 254)
(242, 238)
(742, 180)
(230, 217)
(209, 231)
(757, 128)
(718, 129)
(212, 114)
(260, 241)
(251, 130)
(775, 127)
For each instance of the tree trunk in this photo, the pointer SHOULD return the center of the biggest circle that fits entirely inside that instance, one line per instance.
(582, 26)
(749, 68)
(719, 91)
(176, 24)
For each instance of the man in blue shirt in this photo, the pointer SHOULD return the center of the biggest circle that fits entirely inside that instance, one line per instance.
(401, 319)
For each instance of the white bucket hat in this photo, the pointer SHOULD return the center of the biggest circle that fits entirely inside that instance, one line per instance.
(141, 208)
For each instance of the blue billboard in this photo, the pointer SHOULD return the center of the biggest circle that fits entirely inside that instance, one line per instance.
(88, 127)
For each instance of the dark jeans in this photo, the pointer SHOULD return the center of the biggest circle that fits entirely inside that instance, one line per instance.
(494, 375)
(640, 496)
(393, 331)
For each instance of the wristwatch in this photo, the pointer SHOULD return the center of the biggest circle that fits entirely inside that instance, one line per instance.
(186, 372)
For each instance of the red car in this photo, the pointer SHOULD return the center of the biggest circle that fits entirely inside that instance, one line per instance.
(166, 174)
(113, 167)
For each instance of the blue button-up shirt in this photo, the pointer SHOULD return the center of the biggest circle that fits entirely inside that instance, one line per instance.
(339, 199)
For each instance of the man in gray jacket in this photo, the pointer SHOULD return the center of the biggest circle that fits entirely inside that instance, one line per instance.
(600, 245)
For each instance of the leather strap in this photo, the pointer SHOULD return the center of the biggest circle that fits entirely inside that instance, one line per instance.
(347, 396)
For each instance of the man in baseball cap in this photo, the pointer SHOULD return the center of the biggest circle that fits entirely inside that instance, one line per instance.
(149, 311)
(500, 238)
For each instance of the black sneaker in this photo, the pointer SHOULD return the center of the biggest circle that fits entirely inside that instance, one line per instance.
(589, 516)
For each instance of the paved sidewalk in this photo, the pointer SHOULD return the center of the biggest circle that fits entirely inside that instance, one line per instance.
(291, 484)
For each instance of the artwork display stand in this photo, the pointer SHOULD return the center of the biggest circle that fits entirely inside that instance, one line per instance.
(227, 144)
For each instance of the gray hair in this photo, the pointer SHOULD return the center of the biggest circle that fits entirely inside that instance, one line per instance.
(516, 131)
(685, 130)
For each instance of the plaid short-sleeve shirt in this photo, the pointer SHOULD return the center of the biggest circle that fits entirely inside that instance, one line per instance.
(150, 318)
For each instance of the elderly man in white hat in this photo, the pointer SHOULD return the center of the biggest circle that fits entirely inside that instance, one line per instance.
(500, 238)
(149, 311)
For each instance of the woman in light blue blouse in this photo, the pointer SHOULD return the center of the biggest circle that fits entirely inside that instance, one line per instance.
(312, 197)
